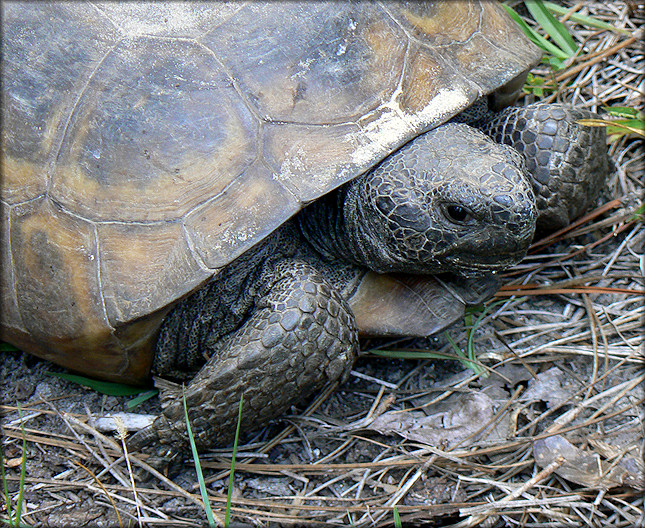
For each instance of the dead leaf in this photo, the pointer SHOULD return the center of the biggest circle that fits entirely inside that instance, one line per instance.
(587, 468)
(445, 424)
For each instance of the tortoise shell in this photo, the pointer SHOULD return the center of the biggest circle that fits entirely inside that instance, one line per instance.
(147, 145)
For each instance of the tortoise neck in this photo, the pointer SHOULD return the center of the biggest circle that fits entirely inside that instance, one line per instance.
(324, 227)
(333, 226)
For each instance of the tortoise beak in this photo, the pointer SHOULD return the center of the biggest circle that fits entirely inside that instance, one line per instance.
(471, 266)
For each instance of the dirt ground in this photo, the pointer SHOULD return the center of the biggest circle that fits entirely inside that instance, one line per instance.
(548, 432)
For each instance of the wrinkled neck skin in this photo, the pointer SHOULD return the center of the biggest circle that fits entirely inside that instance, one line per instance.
(335, 225)
(324, 227)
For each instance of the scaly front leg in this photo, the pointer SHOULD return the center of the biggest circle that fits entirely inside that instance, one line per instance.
(299, 336)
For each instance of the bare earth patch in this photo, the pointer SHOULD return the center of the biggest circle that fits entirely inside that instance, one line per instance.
(550, 435)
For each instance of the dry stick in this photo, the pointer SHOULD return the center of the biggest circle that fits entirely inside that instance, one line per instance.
(308, 469)
(555, 408)
(594, 60)
(122, 433)
(111, 443)
(107, 468)
(612, 323)
(112, 466)
(632, 357)
(619, 250)
(634, 405)
(318, 401)
(494, 420)
(333, 454)
(166, 519)
(106, 462)
(571, 12)
(559, 500)
(635, 324)
(476, 520)
(264, 503)
(399, 495)
(578, 280)
(618, 230)
(618, 218)
(582, 220)
(595, 326)
(480, 452)
(37, 438)
(107, 494)
(534, 289)
(570, 415)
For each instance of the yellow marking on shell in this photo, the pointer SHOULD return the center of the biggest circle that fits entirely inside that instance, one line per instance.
(170, 163)
(383, 42)
(451, 22)
(22, 179)
(59, 298)
(388, 50)
(250, 208)
(422, 82)
(497, 25)
(144, 268)
(309, 160)
(59, 258)
(161, 195)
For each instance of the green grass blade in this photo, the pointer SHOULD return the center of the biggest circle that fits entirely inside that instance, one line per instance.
(470, 344)
(618, 127)
(412, 354)
(397, 518)
(14, 520)
(537, 85)
(552, 26)
(456, 347)
(583, 20)
(23, 473)
(229, 494)
(426, 354)
(470, 349)
(144, 396)
(7, 495)
(636, 126)
(104, 387)
(472, 365)
(198, 468)
(624, 111)
(535, 37)
(638, 215)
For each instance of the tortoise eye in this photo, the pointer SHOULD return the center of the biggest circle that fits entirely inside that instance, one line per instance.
(457, 213)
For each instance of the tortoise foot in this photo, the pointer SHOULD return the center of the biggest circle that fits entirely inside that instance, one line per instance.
(567, 160)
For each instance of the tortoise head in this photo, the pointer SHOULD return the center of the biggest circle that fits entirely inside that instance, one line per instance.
(450, 200)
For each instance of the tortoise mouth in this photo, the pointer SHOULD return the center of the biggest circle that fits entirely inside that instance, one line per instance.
(467, 266)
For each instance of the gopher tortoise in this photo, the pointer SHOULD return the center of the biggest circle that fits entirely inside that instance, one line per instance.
(227, 194)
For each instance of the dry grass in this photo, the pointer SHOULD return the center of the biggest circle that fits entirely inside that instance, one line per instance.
(555, 432)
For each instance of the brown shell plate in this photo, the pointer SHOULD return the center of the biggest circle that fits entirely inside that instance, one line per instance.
(146, 145)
